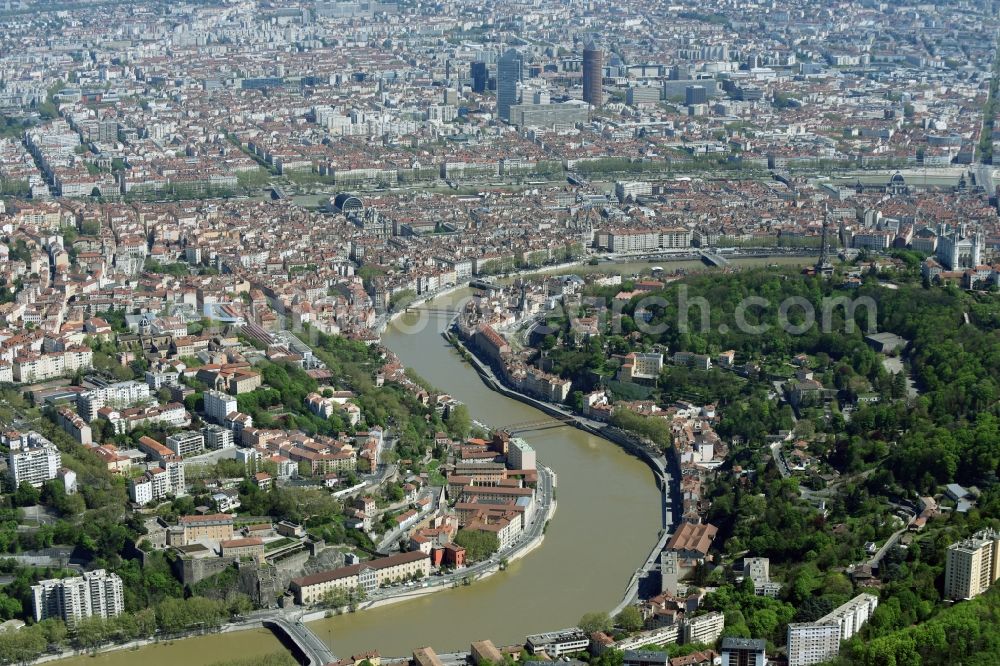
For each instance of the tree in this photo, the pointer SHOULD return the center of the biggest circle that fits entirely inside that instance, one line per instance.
(629, 619)
(26, 494)
(591, 622)
(459, 422)
(478, 545)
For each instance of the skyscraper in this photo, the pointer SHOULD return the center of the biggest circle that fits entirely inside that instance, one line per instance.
(593, 73)
(480, 77)
(509, 72)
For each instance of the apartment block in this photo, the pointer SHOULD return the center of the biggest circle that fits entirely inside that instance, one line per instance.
(73, 424)
(704, 628)
(555, 644)
(33, 459)
(94, 594)
(219, 405)
(520, 454)
(812, 643)
(972, 565)
(186, 443)
(217, 437)
(744, 652)
(118, 396)
(815, 642)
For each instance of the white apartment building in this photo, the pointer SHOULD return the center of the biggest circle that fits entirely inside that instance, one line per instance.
(558, 643)
(94, 594)
(118, 396)
(217, 437)
(39, 367)
(675, 239)
(812, 643)
(520, 454)
(633, 240)
(159, 482)
(33, 459)
(219, 405)
(140, 489)
(186, 443)
(972, 565)
(704, 628)
(815, 642)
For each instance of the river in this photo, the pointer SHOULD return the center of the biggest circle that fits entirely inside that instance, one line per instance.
(198, 651)
(608, 518)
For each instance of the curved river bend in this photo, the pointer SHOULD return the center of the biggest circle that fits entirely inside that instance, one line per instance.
(607, 520)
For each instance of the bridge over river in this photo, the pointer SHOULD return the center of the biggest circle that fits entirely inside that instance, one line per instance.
(304, 644)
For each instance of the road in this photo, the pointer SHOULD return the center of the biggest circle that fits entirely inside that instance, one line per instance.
(889, 544)
(318, 652)
(779, 460)
(393, 536)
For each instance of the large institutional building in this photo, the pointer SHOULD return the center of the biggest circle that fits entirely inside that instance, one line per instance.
(957, 252)
(368, 576)
(972, 565)
(94, 594)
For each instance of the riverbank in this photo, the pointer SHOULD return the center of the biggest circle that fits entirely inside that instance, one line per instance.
(131, 646)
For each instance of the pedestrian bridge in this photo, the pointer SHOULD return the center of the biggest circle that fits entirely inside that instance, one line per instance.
(306, 647)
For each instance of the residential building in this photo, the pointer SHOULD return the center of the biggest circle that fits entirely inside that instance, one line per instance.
(159, 482)
(704, 628)
(555, 644)
(117, 396)
(73, 424)
(485, 651)
(33, 459)
(972, 565)
(814, 642)
(645, 658)
(94, 594)
(218, 406)
(426, 656)
(520, 454)
(744, 651)
(217, 437)
(186, 443)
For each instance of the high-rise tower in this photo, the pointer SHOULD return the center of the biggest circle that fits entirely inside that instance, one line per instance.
(593, 74)
(824, 267)
(509, 72)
